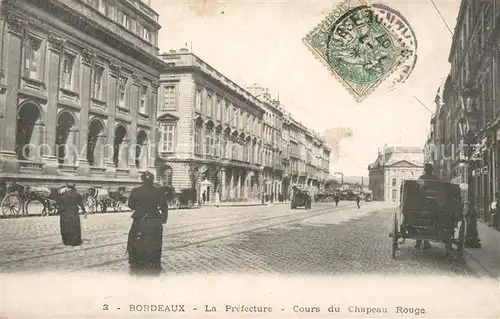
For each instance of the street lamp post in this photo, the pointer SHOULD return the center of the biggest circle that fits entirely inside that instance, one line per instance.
(341, 176)
(468, 128)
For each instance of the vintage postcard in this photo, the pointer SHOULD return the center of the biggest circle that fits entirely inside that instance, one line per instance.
(249, 159)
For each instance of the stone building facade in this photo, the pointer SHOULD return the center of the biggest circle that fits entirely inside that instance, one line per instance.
(216, 136)
(392, 166)
(78, 90)
(471, 96)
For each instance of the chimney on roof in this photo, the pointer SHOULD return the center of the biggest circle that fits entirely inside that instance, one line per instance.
(184, 50)
(172, 51)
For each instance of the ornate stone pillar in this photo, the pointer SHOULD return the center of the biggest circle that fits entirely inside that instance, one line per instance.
(134, 114)
(153, 105)
(88, 58)
(12, 43)
(231, 185)
(223, 184)
(55, 43)
(115, 73)
(239, 184)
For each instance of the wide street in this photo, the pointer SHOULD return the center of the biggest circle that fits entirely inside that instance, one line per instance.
(259, 239)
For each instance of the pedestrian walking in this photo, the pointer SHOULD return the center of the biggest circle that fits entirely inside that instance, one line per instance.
(358, 199)
(145, 237)
(68, 204)
(337, 199)
(217, 199)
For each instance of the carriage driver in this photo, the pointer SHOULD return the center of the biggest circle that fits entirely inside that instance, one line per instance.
(428, 175)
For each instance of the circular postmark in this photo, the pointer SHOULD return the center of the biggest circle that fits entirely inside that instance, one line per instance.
(360, 48)
(402, 29)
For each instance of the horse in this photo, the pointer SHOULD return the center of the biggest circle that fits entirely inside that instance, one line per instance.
(31, 193)
(103, 197)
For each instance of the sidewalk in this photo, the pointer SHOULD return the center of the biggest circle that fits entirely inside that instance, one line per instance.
(485, 260)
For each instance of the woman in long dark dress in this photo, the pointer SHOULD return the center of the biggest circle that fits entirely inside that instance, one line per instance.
(68, 207)
(146, 233)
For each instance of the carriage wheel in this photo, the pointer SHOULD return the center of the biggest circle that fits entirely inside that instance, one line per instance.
(190, 204)
(117, 207)
(461, 238)
(395, 237)
(11, 205)
(90, 205)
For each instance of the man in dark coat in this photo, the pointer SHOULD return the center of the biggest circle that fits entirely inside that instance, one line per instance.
(428, 175)
(358, 199)
(68, 204)
(146, 233)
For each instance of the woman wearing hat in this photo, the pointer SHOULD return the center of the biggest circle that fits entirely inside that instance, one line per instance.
(146, 233)
(69, 203)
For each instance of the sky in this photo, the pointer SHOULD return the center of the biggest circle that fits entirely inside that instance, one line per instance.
(261, 42)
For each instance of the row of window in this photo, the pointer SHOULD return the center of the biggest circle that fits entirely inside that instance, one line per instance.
(33, 68)
(114, 12)
(228, 113)
(213, 145)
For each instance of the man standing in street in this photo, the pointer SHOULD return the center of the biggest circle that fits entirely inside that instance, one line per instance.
(145, 238)
(358, 199)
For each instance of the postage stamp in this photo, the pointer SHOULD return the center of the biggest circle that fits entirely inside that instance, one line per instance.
(358, 46)
(399, 25)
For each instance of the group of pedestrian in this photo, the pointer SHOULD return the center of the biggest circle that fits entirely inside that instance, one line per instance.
(145, 238)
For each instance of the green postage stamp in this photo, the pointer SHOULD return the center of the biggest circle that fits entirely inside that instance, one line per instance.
(358, 46)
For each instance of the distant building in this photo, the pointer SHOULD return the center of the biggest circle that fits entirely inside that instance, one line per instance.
(392, 166)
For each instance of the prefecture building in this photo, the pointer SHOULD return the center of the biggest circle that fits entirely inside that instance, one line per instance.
(78, 87)
(471, 95)
(392, 166)
(216, 136)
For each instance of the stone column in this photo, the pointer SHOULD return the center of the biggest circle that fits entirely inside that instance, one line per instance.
(88, 58)
(153, 105)
(223, 184)
(134, 113)
(231, 185)
(240, 173)
(115, 73)
(12, 44)
(54, 60)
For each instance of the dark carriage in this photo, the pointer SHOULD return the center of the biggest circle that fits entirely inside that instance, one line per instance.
(104, 198)
(300, 198)
(185, 199)
(430, 210)
(324, 197)
(168, 192)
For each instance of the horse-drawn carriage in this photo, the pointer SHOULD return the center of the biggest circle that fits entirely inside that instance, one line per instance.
(96, 197)
(186, 198)
(15, 198)
(430, 210)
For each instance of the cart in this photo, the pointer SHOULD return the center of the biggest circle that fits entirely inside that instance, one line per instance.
(185, 199)
(430, 210)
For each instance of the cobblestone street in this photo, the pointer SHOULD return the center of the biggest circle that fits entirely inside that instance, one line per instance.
(260, 239)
